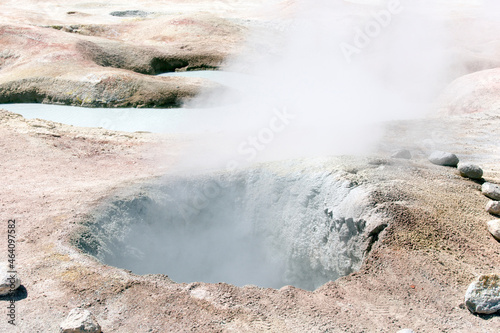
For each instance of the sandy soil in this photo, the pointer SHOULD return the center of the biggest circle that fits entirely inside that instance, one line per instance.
(78, 54)
(415, 276)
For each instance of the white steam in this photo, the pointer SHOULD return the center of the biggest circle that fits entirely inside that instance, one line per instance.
(320, 84)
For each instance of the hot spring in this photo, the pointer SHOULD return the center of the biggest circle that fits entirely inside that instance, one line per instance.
(268, 227)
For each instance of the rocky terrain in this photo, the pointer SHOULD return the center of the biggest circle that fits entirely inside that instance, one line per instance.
(415, 275)
(416, 270)
(79, 54)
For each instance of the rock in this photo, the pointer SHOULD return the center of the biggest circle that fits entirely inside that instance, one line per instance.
(494, 228)
(470, 170)
(129, 13)
(406, 330)
(483, 295)
(117, 80)
(444, 158)
(8, 282)
(402, 153)
(493, 207)
(80, 321)
(490, 190)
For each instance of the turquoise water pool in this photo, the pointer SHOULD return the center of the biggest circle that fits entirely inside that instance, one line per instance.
(179, 120)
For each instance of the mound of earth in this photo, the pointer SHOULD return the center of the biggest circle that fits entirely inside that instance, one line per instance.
(78, 57)
(476, 92)
(414, 273)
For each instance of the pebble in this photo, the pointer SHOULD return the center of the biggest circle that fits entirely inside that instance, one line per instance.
(444, 158)
(494, 229)
(402, 153)
(493, 207)
(483, 295)
(129, 13)
(490, 190)
(80, 321)
(8, 281)
(470, 170)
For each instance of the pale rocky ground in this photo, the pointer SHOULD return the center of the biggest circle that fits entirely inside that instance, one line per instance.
(415, 276)
(78, 54)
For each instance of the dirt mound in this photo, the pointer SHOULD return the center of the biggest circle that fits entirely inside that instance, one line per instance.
(476, 92)
(98, 65)
(415, 276)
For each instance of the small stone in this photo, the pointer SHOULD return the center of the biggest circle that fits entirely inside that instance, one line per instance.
(406, 330)
(129, 13)
(444, 158)
(470, 170)
(80, 321)
(494, 228)
(493, 207)
(490, 190)
(402, 153)
(483, 295)
(8, 281)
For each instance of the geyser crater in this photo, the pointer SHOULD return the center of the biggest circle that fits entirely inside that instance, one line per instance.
(261, 226)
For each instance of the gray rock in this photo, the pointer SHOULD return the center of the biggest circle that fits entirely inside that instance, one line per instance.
(129, 13)
(406, 330)
(470, 170)
(494, 228)
(8, 282)
(80, 321)
(493, 207)
(483, 295)
(402, 153)
(490, 190)
(444, 158)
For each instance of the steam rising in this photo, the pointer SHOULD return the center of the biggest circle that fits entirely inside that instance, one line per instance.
(257, 227)
(338, 69)
(319, 83)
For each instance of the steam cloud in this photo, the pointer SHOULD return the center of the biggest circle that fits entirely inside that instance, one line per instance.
(321, 83)
(335, 71)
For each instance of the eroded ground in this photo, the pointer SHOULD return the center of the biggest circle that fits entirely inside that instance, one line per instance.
(415, 275)
(79, 54)
(53, 175)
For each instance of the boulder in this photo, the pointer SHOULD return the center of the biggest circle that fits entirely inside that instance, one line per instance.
(444, 158)
(402, 153)
(491, 190)
(470, 170)
(494, 228)
(80, 321)
(483, 295)
(493, 207)
(8, 281)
